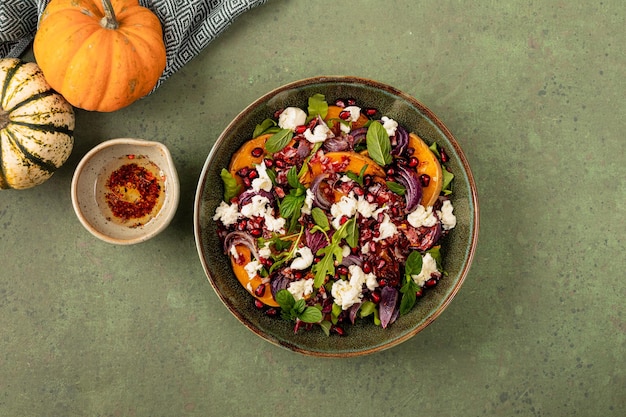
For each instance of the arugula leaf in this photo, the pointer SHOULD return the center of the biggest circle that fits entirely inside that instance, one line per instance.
(231, 188)
(266, 126)
(278, 140)
(317, 106)
(320, 219)
(357, 178)
(352, 233)
(396, 188)
(378, 144)
(324, 267)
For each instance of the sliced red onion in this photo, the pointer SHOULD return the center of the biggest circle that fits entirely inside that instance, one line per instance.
(247, 195)
(353, 312)
(240, 238)
(318, 196)
(409, 179)
(336, 144)
(388, 306)
(358, 135)
(400, 141)
(278, 281)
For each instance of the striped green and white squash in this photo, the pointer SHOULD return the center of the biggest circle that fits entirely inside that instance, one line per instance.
(36, 126)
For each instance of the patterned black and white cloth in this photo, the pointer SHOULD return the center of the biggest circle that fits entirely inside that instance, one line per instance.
(188, 25)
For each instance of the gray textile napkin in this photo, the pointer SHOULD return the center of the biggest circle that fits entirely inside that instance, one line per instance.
(188, 25)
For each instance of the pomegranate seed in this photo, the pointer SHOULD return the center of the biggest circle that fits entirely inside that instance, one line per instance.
(382, 282)
(443, 155)
(279, 163)
(300, 129)
(367, 267)
(344, 115)
(246, 181)
(268, 162)
(257, 152)
(297, 274)
(370, 198)
(272, 312)
(370, 111)
(431, 283)
(260, 290)
(375, 296)
(256, 232)
(419, 293)
(425, 180)
(258, 304)
(351, 102)
(358, 191)
(242, 225)
(343, 219)
(280, 193)
(253, 174)
(342, 270)
(391, 172)
(340, 103)
(338, 330)
(243, 172)
(413, 162)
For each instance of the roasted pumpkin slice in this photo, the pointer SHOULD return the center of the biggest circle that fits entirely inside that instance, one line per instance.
(429, 165)
(250, 284)
(245, 156)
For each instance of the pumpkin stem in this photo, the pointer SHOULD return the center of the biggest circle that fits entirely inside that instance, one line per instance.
(108, 21)
(4, 119)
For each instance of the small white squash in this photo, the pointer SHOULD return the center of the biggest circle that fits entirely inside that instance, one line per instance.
(36, 126)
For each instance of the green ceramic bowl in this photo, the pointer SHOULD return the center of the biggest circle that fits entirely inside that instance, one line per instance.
(364, 337)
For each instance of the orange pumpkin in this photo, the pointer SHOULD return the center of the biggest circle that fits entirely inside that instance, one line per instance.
(101, 55)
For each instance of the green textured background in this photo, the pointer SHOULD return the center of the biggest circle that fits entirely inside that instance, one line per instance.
(534, 93)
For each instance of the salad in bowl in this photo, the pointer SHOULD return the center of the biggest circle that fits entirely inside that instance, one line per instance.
(335, 213)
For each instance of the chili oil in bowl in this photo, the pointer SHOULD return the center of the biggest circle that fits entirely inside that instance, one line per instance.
(364, 337)
(126, 191)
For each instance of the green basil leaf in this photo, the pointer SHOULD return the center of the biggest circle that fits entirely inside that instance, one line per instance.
(447, 181)
(278, 140)
(264, 127)
(396, 188)
(311, 315)
(291, 206)
(326, 325)
(413, 264)
(231, 188)
(285, 300)
(318, 106)
(378, 144)
(292, 178)
(408, 300)
(320, 219)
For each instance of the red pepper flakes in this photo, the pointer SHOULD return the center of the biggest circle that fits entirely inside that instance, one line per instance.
(127, 178)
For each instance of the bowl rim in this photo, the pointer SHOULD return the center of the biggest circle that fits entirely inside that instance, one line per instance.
(172, 191)
(472, 196)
